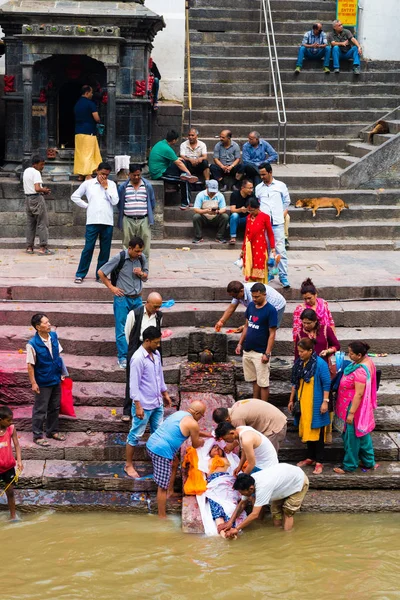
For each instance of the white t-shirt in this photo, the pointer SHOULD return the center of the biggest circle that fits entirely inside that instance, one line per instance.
(273, 297)
(278, 482)
(265, 453)
(186, 149)
(147, 321)
(31, 176)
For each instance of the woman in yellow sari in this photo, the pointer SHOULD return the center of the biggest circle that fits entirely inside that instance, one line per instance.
(255, 247)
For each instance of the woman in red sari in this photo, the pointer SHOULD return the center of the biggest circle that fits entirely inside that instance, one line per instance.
(255, 248)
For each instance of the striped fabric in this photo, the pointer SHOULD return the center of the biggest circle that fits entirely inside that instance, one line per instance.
(135, 201)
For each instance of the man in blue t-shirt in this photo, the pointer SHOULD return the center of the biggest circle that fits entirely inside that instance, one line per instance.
(257, 341)
(87, 152)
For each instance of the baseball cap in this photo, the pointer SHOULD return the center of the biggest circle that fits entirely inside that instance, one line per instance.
(212, 185)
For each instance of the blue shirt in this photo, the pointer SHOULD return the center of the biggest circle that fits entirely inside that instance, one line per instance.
(204, 197)
(84, 122)
(259, 322)
(168, 438)
(264, 152)
(311, 38)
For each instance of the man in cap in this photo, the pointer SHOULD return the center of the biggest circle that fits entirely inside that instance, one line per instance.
(210, 209)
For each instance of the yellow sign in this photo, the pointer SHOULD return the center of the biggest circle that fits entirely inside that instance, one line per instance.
(346, 12)
(39, 110)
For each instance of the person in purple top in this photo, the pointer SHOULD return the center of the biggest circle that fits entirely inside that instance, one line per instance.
(148, 393)
(165, 442)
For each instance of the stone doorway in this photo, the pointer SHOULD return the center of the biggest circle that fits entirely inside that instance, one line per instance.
(68, 95)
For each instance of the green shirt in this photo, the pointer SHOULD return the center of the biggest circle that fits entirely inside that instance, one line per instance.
(161, 156)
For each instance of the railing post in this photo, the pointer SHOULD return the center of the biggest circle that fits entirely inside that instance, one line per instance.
(188, 67)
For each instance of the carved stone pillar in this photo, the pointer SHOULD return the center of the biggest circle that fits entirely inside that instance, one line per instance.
(27, 75)
(111, 111)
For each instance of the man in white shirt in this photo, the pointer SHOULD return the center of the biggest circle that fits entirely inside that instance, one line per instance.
(283, 486)
(36, 211)
(274, 199)
(241, 294)
(193, 152)
(101, 195)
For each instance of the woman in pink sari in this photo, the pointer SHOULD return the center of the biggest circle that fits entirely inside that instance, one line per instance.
(311, 300)
(354, 410)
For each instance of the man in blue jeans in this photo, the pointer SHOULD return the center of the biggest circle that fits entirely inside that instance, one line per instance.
(101, 195)
(148, 393)
(128, 270)
(238, 207)
(344, 46)
(314, 47)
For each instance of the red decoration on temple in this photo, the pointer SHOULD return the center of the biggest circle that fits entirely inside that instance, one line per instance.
(140, 89)
(9, 83)
(43, 96)
(150, 82)
(51, 152)
(50, 85)
(104, 99)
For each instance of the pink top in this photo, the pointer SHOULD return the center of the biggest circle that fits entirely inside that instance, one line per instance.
(323, 314)
(7, 460)
(364, 421)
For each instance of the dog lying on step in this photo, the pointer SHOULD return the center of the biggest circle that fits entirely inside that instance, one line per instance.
(316, 203)
(380, 127)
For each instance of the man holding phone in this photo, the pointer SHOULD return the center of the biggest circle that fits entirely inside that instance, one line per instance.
(210, 209)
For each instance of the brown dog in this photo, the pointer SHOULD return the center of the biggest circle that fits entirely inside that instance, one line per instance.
(316, 203)
(380, 127)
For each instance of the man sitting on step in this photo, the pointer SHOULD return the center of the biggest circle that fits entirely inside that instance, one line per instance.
(255, 152)
(226, 158)
(344, 46)
(314, 47)
(193, 152)
(210, 209)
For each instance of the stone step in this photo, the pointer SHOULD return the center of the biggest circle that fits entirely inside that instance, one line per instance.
(295, 103)
(233, 16)
(377, 140)
(337, 229)
(276, 5)
(293, 88)
(359, 149)
(300, 215)
(306, 144)
(111, 447)
(394, 126)
(100, 341)
(345, 161)
(218, 22)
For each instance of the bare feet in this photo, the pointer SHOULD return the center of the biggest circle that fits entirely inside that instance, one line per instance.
(277, 522)
(131, 472)
(305, 463)
(288, 523)
(318, 469)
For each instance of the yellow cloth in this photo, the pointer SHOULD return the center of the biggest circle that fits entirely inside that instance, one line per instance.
(306, 406)
(195, 483)
(87, 155)
(216, 463)
(251, 274)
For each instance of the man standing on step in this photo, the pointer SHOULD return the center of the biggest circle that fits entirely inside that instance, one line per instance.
(139, 319)
(45, 371)
(101, 195)
(261, 416)
(36, 210)
(128, 270)
(257, 341)
(274, 200)
(226, 158)
(210, 209)
(193, 152)
(255, 152)
(136, 208)
(344, 46)
(148, 393)
(165, 164)
(314, 47)
(164, 444)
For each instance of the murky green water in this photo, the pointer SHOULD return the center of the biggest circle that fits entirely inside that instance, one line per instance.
(99, 556)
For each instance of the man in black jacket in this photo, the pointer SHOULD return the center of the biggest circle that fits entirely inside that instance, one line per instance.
(137, 321)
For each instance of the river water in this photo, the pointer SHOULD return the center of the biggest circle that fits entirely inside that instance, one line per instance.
(101, 556)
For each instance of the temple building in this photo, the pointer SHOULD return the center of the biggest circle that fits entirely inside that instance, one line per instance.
(53, 47)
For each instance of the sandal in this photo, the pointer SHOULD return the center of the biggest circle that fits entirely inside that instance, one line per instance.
(232, 241)
(78, 280)
(45, 252)
(125, 418)
(41, 442)
(306, 463)
(340, 471)
(29, 250)
(60, 437)
(318, 469)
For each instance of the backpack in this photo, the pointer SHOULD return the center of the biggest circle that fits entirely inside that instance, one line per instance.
(115, 272)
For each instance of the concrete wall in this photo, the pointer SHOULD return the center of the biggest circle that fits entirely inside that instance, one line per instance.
(378, 29)
(169, 47)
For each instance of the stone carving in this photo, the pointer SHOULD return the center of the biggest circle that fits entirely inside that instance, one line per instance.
(49, 29)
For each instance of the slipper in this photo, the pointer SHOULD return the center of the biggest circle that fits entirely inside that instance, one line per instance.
(306, 463)
(125, 418)
(29, 251)
(232, 241)
(59, 437)
(318, 469)
(340, 471)
(46, 252)
(78, 280)
(366, 469)
(41, 442)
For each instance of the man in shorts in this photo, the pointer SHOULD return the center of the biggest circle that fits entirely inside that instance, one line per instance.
(283, 486)
(257, 340)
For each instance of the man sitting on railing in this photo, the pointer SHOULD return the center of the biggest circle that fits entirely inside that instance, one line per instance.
(255, 152)
(314, 46)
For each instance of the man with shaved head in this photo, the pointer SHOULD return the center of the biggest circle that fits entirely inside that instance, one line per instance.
(314, 47)
(226, 158)
(137, 321)
(164, 444)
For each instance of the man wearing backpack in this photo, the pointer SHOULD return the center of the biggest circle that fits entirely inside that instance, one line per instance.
(128, 270)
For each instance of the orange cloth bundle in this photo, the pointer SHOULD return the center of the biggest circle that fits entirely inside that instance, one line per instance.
(216, 463)
(195, 483)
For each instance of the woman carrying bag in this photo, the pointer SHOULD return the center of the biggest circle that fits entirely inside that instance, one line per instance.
(309, 402)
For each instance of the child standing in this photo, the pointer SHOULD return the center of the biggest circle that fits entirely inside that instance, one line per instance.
(7, 460)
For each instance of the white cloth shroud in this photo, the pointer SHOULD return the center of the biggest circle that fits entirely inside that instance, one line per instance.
(219, 489)
(122, 162)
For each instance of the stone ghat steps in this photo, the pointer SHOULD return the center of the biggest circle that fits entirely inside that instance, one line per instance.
(320, 501)
(320, 230)
(110, 476)
(289, 5)
(252, 13)
(100, 341)
(217, 22)
(104, 446)
(201, 314)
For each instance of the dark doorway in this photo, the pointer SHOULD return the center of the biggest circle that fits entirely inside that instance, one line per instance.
(68, 95)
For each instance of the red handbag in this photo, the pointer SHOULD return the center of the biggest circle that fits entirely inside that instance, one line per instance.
(67, 402)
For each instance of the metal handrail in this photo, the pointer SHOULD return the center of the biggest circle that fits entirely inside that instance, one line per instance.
(274, 73)
(188, 66)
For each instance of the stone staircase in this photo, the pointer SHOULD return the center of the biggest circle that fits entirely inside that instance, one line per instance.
(86, 472)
